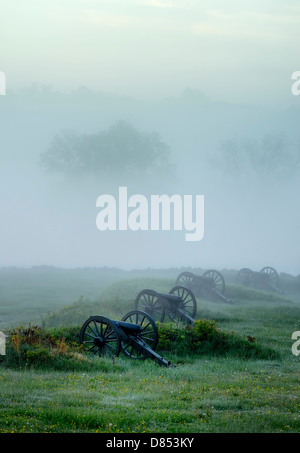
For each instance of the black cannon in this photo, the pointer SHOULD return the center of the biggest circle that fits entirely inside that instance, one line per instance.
(266, 279)
(210, 285)
(136, 335)
(180, 304)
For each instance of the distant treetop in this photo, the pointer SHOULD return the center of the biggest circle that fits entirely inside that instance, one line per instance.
(118, 150)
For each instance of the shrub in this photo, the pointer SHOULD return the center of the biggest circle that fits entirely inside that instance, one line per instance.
(57, 349)
(204, 338)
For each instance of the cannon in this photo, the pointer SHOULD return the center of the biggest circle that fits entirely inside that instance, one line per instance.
(267, 278)
(210, 285)
(180, 304)
(136, 335)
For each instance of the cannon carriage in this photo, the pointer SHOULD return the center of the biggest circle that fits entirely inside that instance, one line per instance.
(210, 285)
(136, 336)
(266, 279)
(179, 304)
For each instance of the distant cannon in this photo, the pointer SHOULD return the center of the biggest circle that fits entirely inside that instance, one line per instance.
(180, 304)
(136, 336)
(266, 279)
(210, 285)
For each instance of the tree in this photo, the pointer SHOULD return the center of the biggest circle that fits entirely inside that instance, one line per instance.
(271, 159)
(119, 151)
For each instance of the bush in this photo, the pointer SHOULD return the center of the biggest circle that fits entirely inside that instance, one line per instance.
(58, 349)
(204, 338)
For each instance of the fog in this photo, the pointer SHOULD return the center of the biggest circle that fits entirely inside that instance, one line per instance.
(251, 213)
(48, 218)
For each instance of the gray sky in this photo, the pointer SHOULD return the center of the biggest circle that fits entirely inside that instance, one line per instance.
(237, 50)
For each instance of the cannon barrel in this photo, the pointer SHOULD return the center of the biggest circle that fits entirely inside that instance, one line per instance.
(174, 305)
(274, 288)
(142, 348)
(221, 296)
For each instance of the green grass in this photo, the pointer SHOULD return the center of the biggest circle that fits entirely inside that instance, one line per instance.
(207, 395)
(236, 373)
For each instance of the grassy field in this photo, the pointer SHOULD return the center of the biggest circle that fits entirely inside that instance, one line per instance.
(242, 378)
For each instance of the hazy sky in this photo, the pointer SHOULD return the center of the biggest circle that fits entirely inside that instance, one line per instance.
(233, 49)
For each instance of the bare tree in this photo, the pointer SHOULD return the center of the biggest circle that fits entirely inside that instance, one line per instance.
(272, 158)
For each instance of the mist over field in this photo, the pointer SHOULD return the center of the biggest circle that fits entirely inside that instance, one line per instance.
(251, 215)
(213, 85)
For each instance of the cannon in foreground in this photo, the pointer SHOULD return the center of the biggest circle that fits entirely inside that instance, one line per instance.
(180, 304)
(210, 285)
(136, 335)
(266, 279)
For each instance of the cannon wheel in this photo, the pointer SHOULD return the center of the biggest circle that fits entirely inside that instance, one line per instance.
(245, 276)
(218, 283)
(273, 275)
(100, 335)
(185, 279)
(148, 301)
(148, 335)
(189, 304)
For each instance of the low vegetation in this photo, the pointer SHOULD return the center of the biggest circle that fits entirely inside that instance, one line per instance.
(234, 369)
(60, 348)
